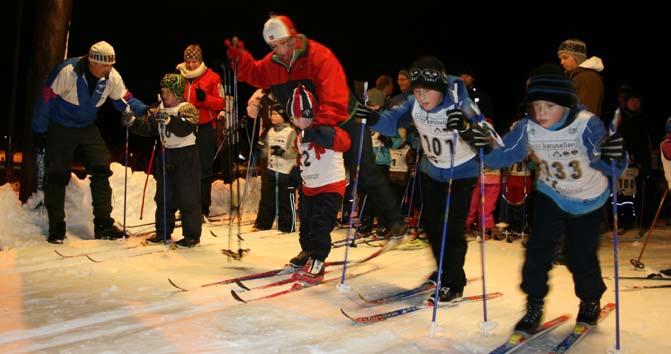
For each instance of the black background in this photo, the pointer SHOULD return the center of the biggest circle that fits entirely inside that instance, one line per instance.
(502, 42)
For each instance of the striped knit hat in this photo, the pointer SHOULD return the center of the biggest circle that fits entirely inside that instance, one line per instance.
(102, 53)
(549, 83)
(301, 106)
(574, 47)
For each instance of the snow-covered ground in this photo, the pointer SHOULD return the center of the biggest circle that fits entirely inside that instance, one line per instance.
(124, 303)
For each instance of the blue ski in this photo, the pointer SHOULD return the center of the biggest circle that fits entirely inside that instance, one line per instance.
(518, 339)
(580, 331)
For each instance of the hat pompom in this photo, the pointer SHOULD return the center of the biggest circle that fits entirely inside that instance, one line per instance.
(549, 83)
(102, 53)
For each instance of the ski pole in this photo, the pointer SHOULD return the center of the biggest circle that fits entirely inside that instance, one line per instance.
(444, 237)
(637, 262)
(613, 181)
(341, 286)
(146, 179)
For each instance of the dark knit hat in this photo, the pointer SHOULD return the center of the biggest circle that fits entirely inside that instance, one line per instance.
(281, 110)
(428, 72)
(175, 83)
(575, 48)
(301, 103)
(549, 83)
(193, 52)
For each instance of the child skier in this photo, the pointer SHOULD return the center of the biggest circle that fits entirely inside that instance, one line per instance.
(320, 149)
(279, 150)
(573, 153)
(175, 125)
(431, 108)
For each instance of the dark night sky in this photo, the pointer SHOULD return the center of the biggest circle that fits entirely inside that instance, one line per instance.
(382, 39)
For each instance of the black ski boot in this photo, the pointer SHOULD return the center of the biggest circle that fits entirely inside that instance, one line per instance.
(188, 242)
(300, 260)
(532, 319)
(589, 312)
(106, 230)
(365, 227)
(446, 295)
(56, 233)
(394, 232)
(157, 238)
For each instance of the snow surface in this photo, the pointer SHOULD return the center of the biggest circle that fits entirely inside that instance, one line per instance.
(124, 303)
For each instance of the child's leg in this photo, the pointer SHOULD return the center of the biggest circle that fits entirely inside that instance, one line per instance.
(187, 190)
(434, 212)
(285, 219)
(266, 213)
(305, 230)
(582, 243)
(324, 218)
(491, 197)
(168, 197)
(474, 210)
(547, 225)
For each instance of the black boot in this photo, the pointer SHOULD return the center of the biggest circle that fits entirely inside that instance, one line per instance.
(589, 312)
(446, 295)
(56, 233)
(365, 227)
(532, 319)
(396, 231)
(188, 242)
(300, 260)
(106, 230)
(157, 238)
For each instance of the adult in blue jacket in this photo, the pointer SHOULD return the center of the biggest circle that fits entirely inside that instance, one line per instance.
(64, 121)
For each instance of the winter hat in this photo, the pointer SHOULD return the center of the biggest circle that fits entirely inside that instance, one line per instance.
(278, 27)
(428, 72)
(280, 109)
(301, 106)
(102, 53)
(175, 83)
(549, 83)
(574, 47)
(193, 52)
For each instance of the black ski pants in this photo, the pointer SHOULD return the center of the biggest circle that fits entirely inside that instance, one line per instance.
(435, 195)
(581, 246)
(371, 180)
(206, 139)
(62, 143)
(275, 190)
(182, 191)
(318, 218)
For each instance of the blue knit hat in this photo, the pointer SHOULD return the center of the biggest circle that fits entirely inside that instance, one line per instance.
(549, 83)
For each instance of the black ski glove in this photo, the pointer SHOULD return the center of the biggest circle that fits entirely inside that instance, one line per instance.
(386, 141)
(364, 112)
(276, 150)
(127, 119)
(322, 135)
(612, 148)
(200, 95)
(457, 120)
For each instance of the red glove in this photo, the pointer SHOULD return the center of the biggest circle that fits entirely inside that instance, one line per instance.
(235, 48)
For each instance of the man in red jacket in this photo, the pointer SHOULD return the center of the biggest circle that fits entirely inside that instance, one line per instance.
(203, 90)
(296, 60)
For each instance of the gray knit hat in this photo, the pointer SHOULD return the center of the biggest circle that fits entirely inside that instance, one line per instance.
(574, 47)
